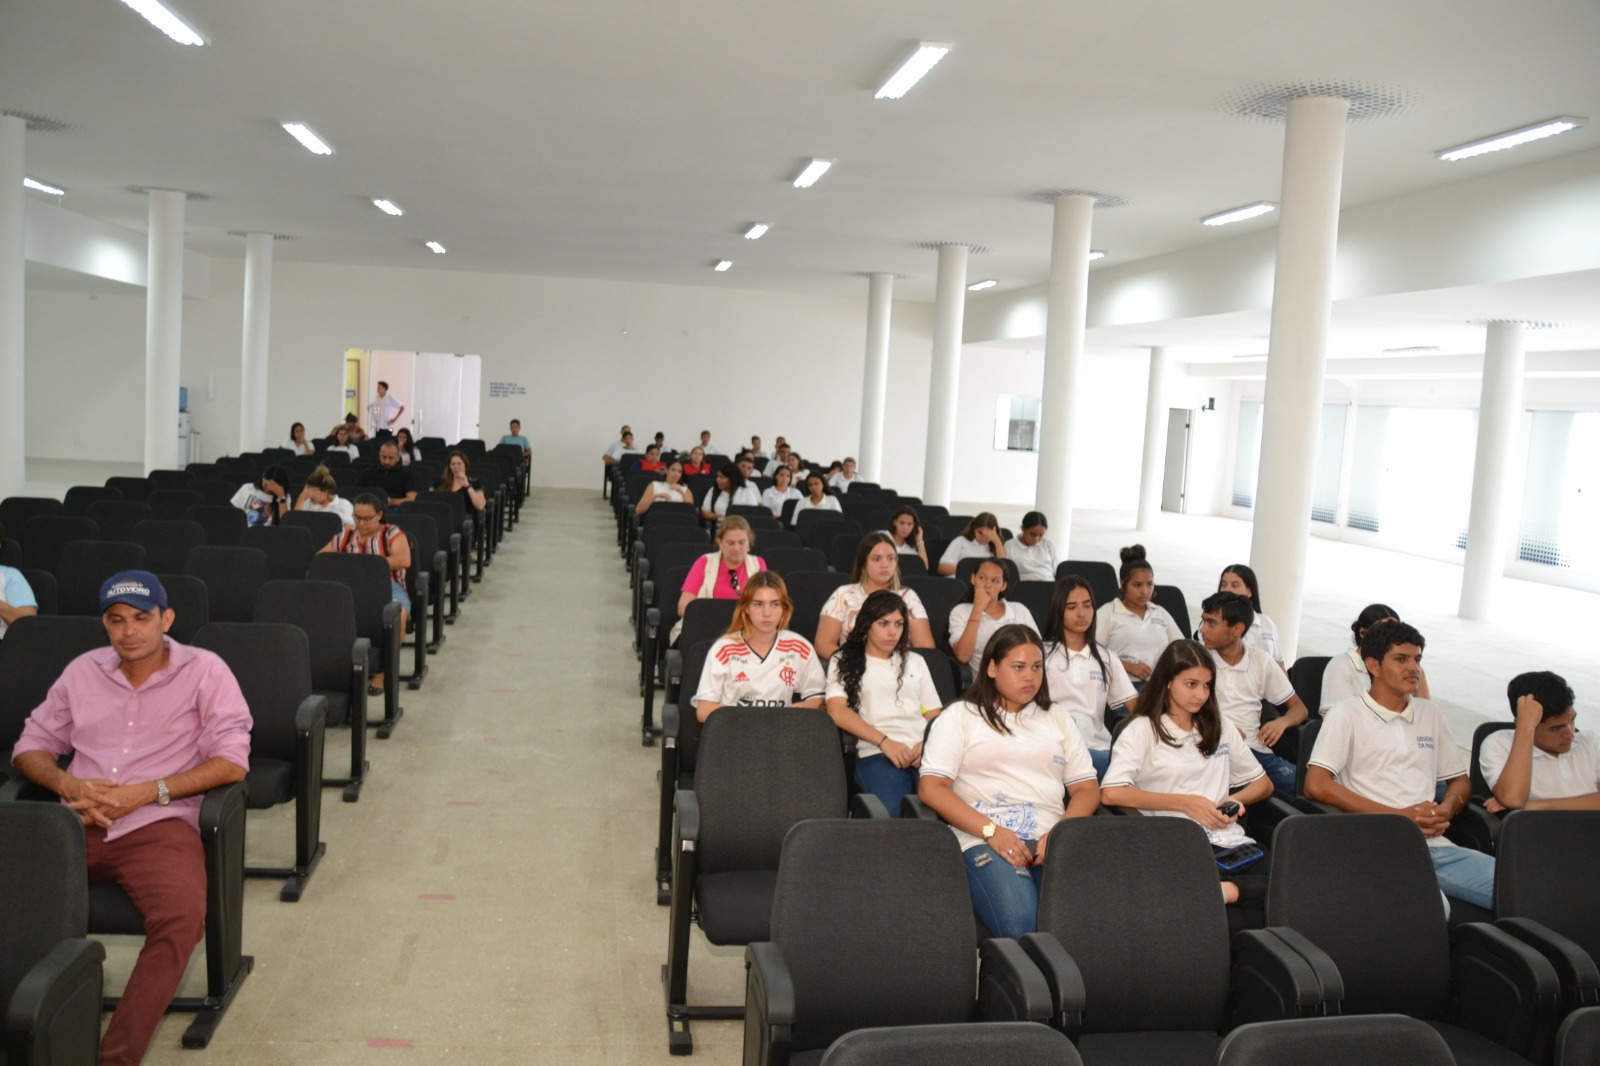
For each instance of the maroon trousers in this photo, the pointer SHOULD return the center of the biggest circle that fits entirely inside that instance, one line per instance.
(162, 869)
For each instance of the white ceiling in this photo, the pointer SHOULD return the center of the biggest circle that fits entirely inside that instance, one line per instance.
(635, 140)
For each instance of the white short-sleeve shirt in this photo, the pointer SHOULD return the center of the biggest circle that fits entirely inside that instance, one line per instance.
(336, 505)
(1017, 780)
(735, 675)
(1263, 636)
(1035, 562)
(845, 605)
(1345, 676)
(962, 548)
(1142, 760)
(1396, 759)
(908, 548)
(829, 503)
(1084, 689)
(891, 703)
(1131, 637)
(1577, 773)
(616, 450)
(679, 493)
(717, 501)
(842, 483)
(988, 625)
(773, 500)
(1240, 688)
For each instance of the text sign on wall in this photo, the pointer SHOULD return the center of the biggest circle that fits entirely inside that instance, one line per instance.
(499, 389)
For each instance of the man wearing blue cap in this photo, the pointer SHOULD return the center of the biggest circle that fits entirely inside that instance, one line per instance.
(151, 725)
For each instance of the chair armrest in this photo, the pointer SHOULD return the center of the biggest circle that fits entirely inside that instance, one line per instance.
(1576, 970)
(440, 561)
(1063, 980)
(866, 805)
(1502, 989)
(912, 807)
(311, 715)
(1473, 828)
(688, 805)
(671, 723)
(1263, 817)
(57, 1002)
(1311, 806)
(223, 808)
(391, 615)
(1278, 974)
(769, 1006)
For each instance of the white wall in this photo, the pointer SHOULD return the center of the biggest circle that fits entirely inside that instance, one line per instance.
(590, 355)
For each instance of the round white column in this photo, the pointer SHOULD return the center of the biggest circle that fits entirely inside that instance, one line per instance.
(1297, 355)
(13, 269)
(1494, 497)
(253, 359)
(1067, 308)
(163, 330)
(875, 375)
(949, 305)
(1152, 464)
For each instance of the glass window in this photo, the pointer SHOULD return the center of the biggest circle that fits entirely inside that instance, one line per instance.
(1016, 423)
(1247, 456)
(1561, 495)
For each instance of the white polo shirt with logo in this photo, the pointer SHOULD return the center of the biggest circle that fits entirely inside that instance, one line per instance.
(1240, 688)
(1577, 773)
(1079, 685)
(1144, 761)
(1396, 759)
(1131, 637)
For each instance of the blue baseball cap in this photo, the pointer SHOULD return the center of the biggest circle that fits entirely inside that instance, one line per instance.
(136, 588)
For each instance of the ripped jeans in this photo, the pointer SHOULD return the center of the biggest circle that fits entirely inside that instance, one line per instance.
(1004, 898)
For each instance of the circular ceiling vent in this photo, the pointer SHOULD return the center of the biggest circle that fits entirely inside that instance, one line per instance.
(39, 123)
(192, 197)
(1532, 325)
(1368, 100)
(1101, 199)
(975, 249)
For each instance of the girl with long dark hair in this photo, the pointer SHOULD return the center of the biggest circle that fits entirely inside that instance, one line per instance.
(982, 611)
(905, 528)
(1083, 676)
(730, 489)
(1262, 635)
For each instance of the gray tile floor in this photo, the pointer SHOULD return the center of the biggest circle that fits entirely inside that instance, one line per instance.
(490, 898)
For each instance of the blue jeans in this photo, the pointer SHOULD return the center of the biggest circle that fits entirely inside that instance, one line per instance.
(1465, 874)
(398, 593)
(879, 775)
(1101, 757)
(1282, 772)
(1004, 898)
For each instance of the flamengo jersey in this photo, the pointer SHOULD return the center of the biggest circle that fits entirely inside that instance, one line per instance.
(735, 675)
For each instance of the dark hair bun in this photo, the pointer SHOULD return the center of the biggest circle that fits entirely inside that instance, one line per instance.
(1133, 553)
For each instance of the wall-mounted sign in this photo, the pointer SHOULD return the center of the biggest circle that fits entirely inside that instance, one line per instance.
(500, 389)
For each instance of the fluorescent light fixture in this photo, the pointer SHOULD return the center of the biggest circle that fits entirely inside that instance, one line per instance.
(814, 170)
(722, 265)
(435, 247)
(979, 286)
(387, 207)
(756, 232)
(303, 133)
(39, 186)
(158, 16)
(1095, 253)
(1239, 214)
(924, 59)
(1511, 138)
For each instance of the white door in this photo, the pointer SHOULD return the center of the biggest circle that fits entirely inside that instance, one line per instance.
(438, 396)
(1175, 475)
(471, 395)
(399, 370)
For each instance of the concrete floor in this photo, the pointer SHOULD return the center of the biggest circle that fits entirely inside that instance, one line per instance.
(490, 899)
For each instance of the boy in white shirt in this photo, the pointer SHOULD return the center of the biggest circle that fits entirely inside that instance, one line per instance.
(846, 475)
(1245, 677)
(1387, 750)
(1544, 764)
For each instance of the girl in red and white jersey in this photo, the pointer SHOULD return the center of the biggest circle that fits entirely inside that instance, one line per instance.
(759, 663)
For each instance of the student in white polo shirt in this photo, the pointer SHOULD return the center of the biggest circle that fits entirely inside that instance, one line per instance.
(980, 539)
(1245, 677)
(1346, 675)
(1178, 757)
(982, 611)
(1136, 630)
(1387, 750)
(1031, 550)
(1082, 676)
(1263, 632)
(758, 662)
(618, 448)
(1544, 764)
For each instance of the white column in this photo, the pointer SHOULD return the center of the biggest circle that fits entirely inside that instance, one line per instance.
(875, 375)
(1066, 312)
(1494, 496)
(1297, 354)
(949, 305)
(253, 435)
(13, 423)
(163, 330)
(1152, 466)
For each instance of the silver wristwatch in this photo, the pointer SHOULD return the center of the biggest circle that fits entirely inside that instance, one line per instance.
(163, 797)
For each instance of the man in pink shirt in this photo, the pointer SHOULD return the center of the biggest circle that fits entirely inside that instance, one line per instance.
(152, 725)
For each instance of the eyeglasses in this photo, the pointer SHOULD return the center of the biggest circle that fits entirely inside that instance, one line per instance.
(366, 517)
(733, 577)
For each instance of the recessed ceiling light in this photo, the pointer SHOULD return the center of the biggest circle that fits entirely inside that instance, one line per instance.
(39, 186)
(158, 16)
(1239, 214)
(918, 63)
(387, 207)
(1511, 138)
(756, 232)
(722, 265)
(302, 133)
(979, 286)
(435, 247)
(814, 170)
(1095, 253)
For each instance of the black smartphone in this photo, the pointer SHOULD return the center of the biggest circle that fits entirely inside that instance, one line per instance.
(1237, 858)
(1228, 808)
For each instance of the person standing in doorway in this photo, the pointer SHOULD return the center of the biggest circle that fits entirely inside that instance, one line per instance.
(389, 408)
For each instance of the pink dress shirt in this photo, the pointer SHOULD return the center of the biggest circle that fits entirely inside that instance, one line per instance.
(187, 712)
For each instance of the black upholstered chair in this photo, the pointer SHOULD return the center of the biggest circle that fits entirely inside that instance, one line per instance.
(225, 524)
(1305, 674)
(842, 946)
(1492, 998)
(45, 537)
(1547, 894)
(449, 538)
(15, 511)
(78, 498)
(51, 974)
(288, 550)
(808, 591)
(1172, 599)
(1578, 1039)
(786, 561)
(45, 590)
(320, 526)
(429, 566)
(680, 749)
(116, 518)
(1480, 784)
(33, 654)
(272, 664)
(1101, 576)
(994, 1044)
(1370, 1039)
(759, 772)
(190, 602)
(84, 567)
(170, 504)
(167, 543)
(132, 488)
(233, 576)
(1035, 596)
(377, 619)
(938, 595)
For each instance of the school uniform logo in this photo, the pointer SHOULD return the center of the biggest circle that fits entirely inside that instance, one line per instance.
(1425, 743)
